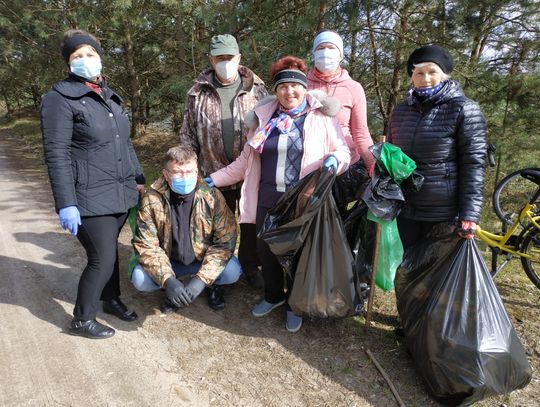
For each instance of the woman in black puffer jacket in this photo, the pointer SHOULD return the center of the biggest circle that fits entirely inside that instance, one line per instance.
(95, 176)
(444, 132)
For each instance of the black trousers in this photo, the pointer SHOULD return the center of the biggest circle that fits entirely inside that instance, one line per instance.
(100, 278)
(275, 278)
(247, 251)
(411, 231)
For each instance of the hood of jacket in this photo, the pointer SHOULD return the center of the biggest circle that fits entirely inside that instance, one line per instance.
(206, 78)
(316, 99)
(73, 88)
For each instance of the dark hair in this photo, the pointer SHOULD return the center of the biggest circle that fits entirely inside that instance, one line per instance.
(75, 39)
(288, 62)
(180, 153)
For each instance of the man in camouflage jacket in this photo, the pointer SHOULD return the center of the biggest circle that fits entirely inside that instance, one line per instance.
(214, 126)
(169, 235)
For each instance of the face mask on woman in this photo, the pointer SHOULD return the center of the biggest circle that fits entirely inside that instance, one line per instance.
(183, 185)
(88, 68)
(227, 69)
(327, 59)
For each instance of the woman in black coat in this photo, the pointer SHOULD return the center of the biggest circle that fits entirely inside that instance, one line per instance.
(444, 132)
(94, 173)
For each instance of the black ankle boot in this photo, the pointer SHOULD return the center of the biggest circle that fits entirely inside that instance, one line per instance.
(118, 309)
(215, 298)
(90, 328)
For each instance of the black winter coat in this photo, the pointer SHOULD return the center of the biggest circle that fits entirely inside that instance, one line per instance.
(90, 158)
(446, 136)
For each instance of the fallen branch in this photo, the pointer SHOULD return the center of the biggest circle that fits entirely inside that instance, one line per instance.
(383, 373)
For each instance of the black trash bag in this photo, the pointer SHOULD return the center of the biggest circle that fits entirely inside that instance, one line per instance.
(305, 232)
(455, 323)
(348, 186)
(393, 177)
(360, 234)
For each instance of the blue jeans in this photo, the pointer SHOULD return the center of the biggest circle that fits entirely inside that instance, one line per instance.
(143, 282)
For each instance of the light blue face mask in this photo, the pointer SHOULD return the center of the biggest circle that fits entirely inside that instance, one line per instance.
(88, 68)
(183, 185)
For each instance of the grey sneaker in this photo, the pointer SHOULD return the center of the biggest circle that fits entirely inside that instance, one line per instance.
(264, 307)
(294, 322)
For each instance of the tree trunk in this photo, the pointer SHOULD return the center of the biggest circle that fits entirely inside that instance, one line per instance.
(135, 88)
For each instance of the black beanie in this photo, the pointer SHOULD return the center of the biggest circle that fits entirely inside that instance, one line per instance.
(431, 53)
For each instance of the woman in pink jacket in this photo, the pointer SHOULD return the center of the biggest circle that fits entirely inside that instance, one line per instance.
(327, 75)
(293, 134)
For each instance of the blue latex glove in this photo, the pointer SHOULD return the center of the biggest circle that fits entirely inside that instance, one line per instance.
(209, 181)
(70, 219)
(330, 161)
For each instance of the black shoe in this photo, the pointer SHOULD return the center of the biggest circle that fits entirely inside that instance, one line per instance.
(90, 329)
(118, 308)
(399, 332)
(215, 298)
(167, 307)
(255, 278)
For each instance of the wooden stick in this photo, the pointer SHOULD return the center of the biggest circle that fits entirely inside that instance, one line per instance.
(383, 373)
(374, 262)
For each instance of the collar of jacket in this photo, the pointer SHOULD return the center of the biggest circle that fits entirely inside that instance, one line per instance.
(205, 78)
(341, 78)
(450, 90)
(316, 99)
(73, 88)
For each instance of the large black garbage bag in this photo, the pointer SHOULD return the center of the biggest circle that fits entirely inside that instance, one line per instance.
(455, 324)
(348, 186)
(360, 234)
(305, 232)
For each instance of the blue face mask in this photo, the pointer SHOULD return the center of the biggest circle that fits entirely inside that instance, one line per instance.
(88, 68)
(183, 185)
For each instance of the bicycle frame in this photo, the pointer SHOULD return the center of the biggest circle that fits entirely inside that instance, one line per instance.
(498, 241)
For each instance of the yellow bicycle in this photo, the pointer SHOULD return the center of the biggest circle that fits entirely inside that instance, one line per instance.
(519, 237)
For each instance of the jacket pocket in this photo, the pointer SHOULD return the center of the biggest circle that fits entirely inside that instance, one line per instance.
(80, 173)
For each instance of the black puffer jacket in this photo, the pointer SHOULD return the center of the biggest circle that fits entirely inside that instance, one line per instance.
(446, 136)
(89, 155)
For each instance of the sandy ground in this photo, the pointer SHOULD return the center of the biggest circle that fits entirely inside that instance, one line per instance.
(196, 357)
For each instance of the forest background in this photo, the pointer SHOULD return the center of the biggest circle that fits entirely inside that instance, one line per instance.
(155, 49)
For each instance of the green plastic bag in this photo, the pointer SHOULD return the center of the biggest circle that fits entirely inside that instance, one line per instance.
(132, 220)
(390, 253)
(398, 164)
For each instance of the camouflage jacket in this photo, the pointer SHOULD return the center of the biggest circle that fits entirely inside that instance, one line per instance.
(213, 232)
(202, 118)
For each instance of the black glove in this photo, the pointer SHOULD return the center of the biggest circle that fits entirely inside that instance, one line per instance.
(194, 288)
(176, 292)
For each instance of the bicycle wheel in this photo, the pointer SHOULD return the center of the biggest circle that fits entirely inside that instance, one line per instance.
(531, 246)
(511, 195)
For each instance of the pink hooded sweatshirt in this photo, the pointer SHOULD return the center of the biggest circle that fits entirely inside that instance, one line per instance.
(322, 137)
(353, 114)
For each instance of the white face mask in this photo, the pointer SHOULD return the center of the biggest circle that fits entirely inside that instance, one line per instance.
(88, 68)
(327, 59)
(227, 69)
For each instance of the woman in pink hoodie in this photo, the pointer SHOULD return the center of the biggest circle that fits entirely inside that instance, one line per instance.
(292, 134)
(327, 75)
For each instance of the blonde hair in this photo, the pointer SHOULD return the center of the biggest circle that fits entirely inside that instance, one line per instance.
(444, 76)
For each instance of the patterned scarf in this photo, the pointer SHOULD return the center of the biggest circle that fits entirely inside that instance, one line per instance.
(427, 92)
(283, 122)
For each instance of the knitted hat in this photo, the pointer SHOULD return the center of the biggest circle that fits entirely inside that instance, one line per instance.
(431, 53)
(290, 75)
(328, 36)
(224, 44)
(73, 43)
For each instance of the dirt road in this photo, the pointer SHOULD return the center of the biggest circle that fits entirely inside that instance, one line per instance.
(196, 357)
